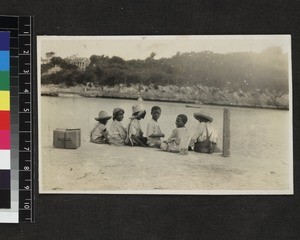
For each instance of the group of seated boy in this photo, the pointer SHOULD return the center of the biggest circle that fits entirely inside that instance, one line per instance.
(204, 138)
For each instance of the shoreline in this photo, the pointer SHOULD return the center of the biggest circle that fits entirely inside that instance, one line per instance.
(188, 102)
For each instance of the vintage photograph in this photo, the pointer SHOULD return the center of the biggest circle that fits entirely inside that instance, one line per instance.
(165, 114)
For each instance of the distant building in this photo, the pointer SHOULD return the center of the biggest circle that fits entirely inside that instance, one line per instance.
(80, 62)
(45, 60)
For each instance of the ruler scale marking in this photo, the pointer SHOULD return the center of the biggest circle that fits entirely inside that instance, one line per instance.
(25, 120)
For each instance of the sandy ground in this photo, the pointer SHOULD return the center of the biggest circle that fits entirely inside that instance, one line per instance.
(107, 169)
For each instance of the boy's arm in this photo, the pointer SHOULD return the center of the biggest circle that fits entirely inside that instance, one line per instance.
(122, 131)
(192, 143)
(174, 136)
(105, 133)
(98, 136)
(97, 140)
(196, 135)
(151, 130)
(95, 134)
(157, 135)
(199, 130)
(133, 129)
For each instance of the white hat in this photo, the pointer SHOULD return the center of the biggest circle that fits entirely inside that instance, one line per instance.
(137, 108)
(201, 115)
(102, 115)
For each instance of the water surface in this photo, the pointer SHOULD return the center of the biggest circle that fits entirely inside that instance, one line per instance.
(257, 133)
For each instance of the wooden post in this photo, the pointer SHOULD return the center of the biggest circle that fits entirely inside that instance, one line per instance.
(226, 132)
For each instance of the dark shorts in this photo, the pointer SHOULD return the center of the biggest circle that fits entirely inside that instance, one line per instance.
(131, 142)
(206, 146)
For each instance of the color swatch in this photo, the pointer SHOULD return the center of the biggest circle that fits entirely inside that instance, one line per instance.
(5, 179)
(16, 162)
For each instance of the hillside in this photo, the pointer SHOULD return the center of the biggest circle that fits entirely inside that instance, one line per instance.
(243, 79)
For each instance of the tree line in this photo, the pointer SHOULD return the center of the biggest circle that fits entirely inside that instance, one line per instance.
(245, 71)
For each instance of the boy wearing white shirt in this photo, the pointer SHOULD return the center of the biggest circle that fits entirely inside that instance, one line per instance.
(204, 139)
(153, 130)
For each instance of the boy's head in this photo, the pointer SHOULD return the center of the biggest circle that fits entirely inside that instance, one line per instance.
(103, 121)
(181, 120)
(155, 112)
(143, 114)
(139, 115)
(102, 117)
(118, 114)
(138, 112)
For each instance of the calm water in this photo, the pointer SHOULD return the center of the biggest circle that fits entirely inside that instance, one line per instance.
(254, 132)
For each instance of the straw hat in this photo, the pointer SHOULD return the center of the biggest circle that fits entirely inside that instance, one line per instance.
(137, 108)
(116, 110)
(201, 115)
(102, 115)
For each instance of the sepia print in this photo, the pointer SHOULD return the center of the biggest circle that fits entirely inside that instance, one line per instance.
(165, 114)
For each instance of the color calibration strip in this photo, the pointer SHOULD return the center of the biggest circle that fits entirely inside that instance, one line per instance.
(5, 179)
(18, 108)
(9, 25)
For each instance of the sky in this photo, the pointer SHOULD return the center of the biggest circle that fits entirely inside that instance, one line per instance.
(140, 47)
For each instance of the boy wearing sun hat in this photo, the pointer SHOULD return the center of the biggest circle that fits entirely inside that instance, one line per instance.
(134, 131)
(117, 132)
(99, 134)
(204, 139)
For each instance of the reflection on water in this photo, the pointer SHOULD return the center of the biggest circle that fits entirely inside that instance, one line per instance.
(254, 132)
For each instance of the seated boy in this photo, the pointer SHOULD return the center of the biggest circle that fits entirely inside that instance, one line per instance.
(134, 131)
(99, 134)
(153, 130)
(117, 132)
(179, 134)
(204, 139)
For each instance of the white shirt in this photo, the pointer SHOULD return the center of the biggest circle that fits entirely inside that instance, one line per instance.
(117, 133)
(201, 133)
(97, 135)
(178, 139)
(152, 128)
